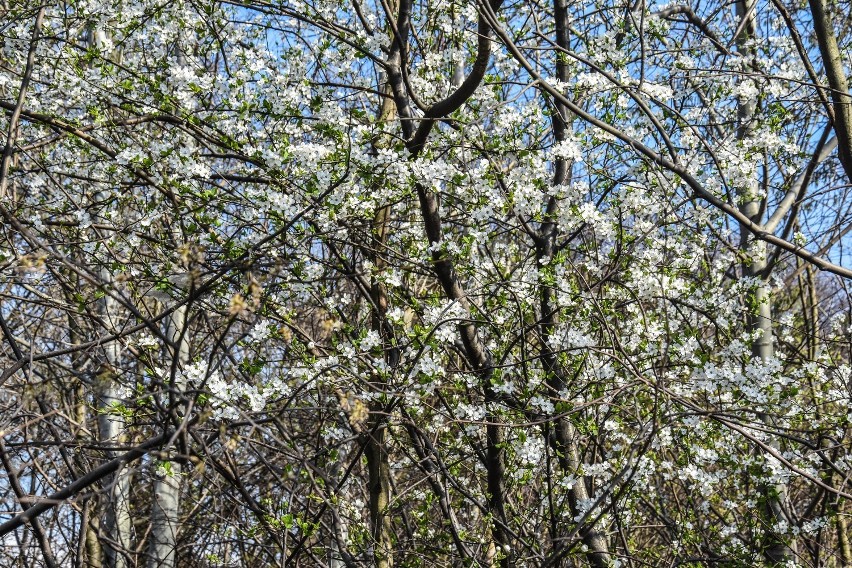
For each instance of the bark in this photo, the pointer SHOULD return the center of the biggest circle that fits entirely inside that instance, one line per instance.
(843, 538)
(476, 354)
(810, 309)
(434, 471)
(93, 547)
(165, 509)
(376, 452)
(759, 320)
(379, 489)
(337, 553)
(595, 540)
(564, 438)
(841, 100)
(117, 522)
(89, 546)
(481, 364)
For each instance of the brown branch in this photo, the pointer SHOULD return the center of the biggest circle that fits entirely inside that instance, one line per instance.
(18, 107)
(832, 60)
(46, 503)
(756, 229)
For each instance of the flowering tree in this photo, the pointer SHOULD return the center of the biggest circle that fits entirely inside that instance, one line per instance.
(441, 283)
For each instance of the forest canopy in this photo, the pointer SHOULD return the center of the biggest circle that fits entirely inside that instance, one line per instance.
(445, 283)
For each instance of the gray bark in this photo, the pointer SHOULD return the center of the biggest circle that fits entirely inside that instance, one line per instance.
(117, 523)
(165, 506)
(759, 320)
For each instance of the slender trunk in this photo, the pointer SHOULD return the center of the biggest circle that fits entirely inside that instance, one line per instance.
(478, 358)
(93, 546)
(337, 548)
(480, 362)
(843, 533)
(495, 467)
(564, 437)
(810, 307)
(89, 546)
(165, 519)
(436, 475)
(165, 506)
(832, 60)
(116, 523)
(165, 509)
(376, 452)
(566, 444)
(379, 488)
(759, 321)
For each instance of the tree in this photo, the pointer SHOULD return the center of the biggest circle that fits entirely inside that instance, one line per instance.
(438, 283)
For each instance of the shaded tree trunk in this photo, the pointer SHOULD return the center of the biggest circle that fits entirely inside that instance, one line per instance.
(832, 60)
(117, 522)
(165, 506)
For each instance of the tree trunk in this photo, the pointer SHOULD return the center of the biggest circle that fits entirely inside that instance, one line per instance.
(843, 538)
(759, 321)
(832, 60)
(378, 464)
(564, 439)
(117, 523)
(379, 487)
(165, 508)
